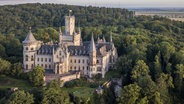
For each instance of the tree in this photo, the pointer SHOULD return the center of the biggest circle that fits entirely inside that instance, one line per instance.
(37, 76)
(179, 76)
(140, 69)
(157, 66)
(164, 84)
(129, 94)
(55, 96)
(4, 66)
(21, 97)
(16, 69)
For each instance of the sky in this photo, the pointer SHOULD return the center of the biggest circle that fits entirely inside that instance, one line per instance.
(107, 3)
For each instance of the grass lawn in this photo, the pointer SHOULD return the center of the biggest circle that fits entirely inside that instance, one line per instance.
(9, 82)
(83, 92)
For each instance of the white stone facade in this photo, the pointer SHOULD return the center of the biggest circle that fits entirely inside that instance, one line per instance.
(69, 54)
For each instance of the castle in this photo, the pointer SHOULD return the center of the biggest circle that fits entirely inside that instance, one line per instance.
(70, 57)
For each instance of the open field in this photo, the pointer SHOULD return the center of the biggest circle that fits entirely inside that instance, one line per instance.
(8, 82)
(162, 14)
(178, 19)
(80, 91)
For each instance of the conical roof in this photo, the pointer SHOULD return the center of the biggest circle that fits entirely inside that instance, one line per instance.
(29, 38)
(92, 44)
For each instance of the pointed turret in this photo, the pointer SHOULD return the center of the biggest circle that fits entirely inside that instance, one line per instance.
(29, 38)
(111, 38)
(92, 44)
(60, 35)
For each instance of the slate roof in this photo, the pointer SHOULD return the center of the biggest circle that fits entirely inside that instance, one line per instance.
(29, 38)
(83, 50)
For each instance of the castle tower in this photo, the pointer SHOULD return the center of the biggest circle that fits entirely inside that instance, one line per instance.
(60, 36)
(30, 45)
(77, 38)
(69, 24)
(92, 56)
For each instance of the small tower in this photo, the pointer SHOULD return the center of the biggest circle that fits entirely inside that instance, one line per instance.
(111, 38)
(92, 56)
(69, 24)
(77, 38)
(30, 45)
(60, 36)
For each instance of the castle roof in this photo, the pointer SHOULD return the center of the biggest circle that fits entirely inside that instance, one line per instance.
(29, 38)
(83, 50)
(92, 45)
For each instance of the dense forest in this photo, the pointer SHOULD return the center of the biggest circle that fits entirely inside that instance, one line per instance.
(150, 63)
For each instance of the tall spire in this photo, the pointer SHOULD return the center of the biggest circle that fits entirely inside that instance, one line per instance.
(29, 38)
(92, 44)
(60, 35)
(111, 38)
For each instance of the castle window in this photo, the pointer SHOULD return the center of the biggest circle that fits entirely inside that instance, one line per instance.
(60, 53)
(32, 66)
(26, 66)
(26, 57)
(26, 48)
(83, 67)
(83, 61)
(32, 48)
(45, 59)
(42, 65)
(97, 61)
(75, 61)
(38, 59)
(49, 66)
(70, 67)
(32, 58)
(71, 61)
(79, 68)
(45, 66)
(49, 59)
(41, 59)
(79, 61)
(75, 67)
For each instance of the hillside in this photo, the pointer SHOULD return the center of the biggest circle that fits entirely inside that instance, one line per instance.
(151, 50)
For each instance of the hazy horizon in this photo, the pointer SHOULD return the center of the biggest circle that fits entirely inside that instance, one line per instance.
(106, 3)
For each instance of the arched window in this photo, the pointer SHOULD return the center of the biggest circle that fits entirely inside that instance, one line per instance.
(32, 58)
(32, 66)
(97, 61)
(26, 58)
(27, 48)
(26, 66)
